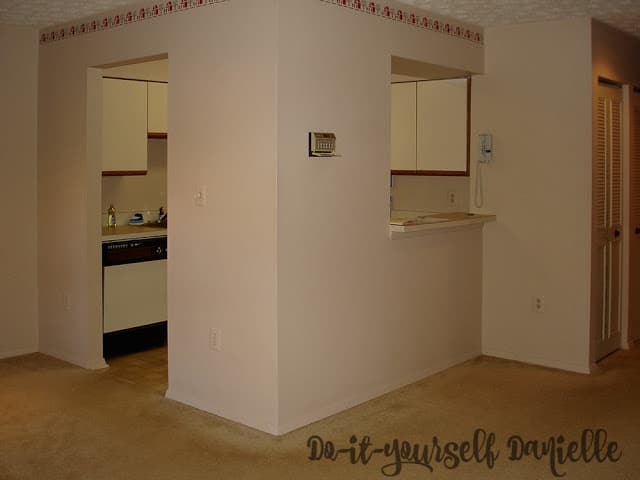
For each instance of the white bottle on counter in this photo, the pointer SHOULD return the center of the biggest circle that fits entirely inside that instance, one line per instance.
(111, 216)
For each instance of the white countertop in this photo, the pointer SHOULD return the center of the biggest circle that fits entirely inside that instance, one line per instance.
(407, 224)
(129, 232)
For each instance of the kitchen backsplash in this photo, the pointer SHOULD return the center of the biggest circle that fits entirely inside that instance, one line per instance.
(430, 193)
(138, 194)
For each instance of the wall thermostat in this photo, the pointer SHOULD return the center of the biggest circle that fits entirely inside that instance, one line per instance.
(322, 144)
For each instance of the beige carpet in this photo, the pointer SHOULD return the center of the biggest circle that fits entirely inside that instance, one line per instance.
(61, 422)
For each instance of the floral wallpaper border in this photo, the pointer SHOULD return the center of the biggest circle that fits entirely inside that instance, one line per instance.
(402, 15)
(105, 22)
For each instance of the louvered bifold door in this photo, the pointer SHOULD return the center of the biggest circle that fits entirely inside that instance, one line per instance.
(607, 219)
(634, 218)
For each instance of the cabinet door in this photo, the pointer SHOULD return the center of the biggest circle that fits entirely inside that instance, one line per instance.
(124, 127)
(403, 126)
(157, 122)
(442, 126)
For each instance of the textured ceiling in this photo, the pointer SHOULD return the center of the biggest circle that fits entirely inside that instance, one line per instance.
(622, 14)
(45, 13)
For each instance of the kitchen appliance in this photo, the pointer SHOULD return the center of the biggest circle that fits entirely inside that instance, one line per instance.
(134, 294)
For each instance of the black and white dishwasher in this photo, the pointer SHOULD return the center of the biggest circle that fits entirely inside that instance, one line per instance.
(134, 295)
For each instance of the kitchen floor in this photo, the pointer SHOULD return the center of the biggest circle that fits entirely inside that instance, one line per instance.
(147, 369)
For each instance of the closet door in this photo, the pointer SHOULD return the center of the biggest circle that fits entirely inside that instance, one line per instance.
(606, 246)
(634, 217)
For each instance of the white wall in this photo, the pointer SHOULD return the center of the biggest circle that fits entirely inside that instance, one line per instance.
(614, 54)
(536, 101)
(350, 314)
(18, 253)
(430, 193)
(222, 119)
(358, 314)
(155, 70)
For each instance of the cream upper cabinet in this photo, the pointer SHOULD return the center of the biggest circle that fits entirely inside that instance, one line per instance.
(124, 127)
(403, 126)
(430, 127)
(442, 126)
(157, 122)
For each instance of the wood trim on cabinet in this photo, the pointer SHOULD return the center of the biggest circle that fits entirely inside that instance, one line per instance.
(135, 79)
(431, 173)
(156, 134)
(468, 172)
(122, 173)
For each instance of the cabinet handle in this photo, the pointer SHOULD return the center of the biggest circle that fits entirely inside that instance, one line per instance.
(637, 230)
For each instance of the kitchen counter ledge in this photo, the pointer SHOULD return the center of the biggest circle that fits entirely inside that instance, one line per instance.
(130, 232)
(434, 223)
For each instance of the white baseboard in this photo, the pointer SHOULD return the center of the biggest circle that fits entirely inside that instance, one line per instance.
(185, 398)
(17, 352)
(337, 407)
(95, 364)
(324, 411)
(535, 360)
(89, 364)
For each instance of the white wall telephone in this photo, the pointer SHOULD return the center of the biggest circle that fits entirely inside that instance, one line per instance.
(485, 156)
(486, 148)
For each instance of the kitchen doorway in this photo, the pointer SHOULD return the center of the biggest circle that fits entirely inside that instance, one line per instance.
(133, 215)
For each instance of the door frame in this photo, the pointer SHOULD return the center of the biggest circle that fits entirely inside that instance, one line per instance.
(631, 98)
(94, 338)
(626, 213)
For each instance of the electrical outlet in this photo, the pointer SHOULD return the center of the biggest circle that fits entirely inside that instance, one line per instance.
(452, 198)
(539, 304)
(200, 196)
(215, 340)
